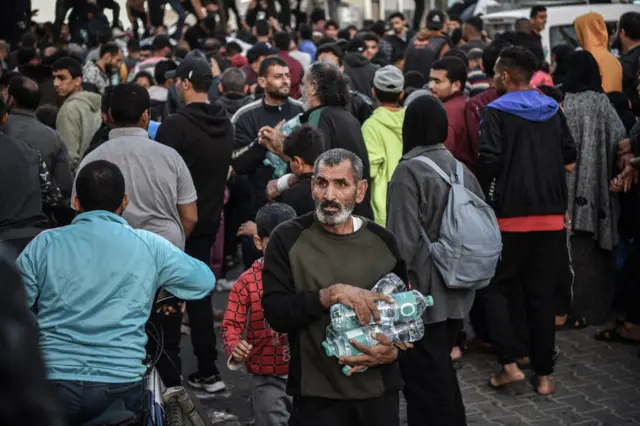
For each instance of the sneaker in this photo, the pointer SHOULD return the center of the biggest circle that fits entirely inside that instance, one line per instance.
(211, 384)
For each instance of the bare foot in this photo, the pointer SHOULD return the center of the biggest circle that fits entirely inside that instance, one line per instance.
(456, 353)
(545, 385)
(510, 374)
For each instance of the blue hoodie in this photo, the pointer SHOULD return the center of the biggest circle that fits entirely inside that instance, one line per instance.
(528, 104)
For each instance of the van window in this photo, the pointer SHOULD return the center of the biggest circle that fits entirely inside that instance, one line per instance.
(567, 34)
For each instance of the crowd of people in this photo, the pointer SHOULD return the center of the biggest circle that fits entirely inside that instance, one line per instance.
(137, 169)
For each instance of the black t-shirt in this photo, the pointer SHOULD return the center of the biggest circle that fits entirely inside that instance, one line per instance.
(299, 196)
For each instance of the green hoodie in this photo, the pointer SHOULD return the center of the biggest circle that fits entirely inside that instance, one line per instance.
(77, 122)
(382, 133)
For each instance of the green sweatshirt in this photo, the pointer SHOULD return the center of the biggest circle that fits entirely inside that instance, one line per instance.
(382, 133)
(78, 120)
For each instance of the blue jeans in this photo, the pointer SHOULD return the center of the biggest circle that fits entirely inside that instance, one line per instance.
(84, 401)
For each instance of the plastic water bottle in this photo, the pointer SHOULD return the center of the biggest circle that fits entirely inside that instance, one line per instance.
(408, 306)
(289, 126)
(389, 284)
(341, 346)
(404, 332)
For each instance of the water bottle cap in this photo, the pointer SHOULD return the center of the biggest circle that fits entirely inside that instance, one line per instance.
(328, 349)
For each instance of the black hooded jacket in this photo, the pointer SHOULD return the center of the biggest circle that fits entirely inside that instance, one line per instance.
(203, 136)
(361, 72)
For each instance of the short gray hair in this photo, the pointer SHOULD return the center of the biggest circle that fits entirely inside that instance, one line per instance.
(335, 156)
(233, 80)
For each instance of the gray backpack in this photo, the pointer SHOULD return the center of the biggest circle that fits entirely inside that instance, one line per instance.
(469, 246)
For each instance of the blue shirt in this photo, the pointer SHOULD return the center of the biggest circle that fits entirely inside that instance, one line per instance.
(307, 46)
(93, 284)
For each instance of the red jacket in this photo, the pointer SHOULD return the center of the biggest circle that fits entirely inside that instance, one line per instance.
(458, 139)
(473, 116)
(295, 68)
(270, 354)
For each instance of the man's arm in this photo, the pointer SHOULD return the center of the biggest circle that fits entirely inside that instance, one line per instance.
(197, 7)
(235, 317)
(472, 117)
(27, 263)
(68, 125)
(248, 154)
(188, 217)
(62, 168)
(569, 152)
(51, 195)
(489, 148)
(187, 196)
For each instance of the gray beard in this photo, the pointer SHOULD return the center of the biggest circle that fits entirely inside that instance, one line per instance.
(339, 218)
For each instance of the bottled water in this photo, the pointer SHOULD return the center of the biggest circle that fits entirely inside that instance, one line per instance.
(408, 306)
(389, 284)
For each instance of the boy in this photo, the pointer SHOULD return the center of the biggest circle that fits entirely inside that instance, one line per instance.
(264, 352)
(302, 147)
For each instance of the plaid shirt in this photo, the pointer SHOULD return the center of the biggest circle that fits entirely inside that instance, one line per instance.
(270, 354)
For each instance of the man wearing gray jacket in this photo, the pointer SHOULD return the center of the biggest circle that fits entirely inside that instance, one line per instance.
(24, 97)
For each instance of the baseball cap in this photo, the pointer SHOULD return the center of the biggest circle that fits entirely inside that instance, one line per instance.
(260, 49)
(356, 45)
(435, 19)
(389, 79)
(192, 69)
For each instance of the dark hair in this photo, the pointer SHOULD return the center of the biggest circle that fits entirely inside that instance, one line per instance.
(262, 28)
(317, 14)
(100, 186)
(330, 48)
(397, 15)
(457, 53)
(520, 61)
(630, 23)
(476, 22)
(281, 40)
(5, 78)
(378, 28)
(344, 34)
(455, 68)
(269, 62)
(552, 92)
(70, 64)
(233, 80)
(304, 142)
(331, 23)
(456, 36)
(490, 56)
(271, 215)
(25, 93)
(180, 52)
(305, 31)
(535, 10)
(232, 48)
(160, 42)
(325, 40)
(111, 48)
(522, 25)
(371, 37)
(26, 55)
(332, 88)
(387, 97)
(144, 74)
(47, 115)
(128, 102)
(105, 102)
(133, 45)
(161, 69)
(414, 79)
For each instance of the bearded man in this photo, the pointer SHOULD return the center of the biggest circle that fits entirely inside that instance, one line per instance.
(315, 261)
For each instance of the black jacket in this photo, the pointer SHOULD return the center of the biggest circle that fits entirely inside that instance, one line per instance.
(529, 41)
(399, 44)
(631, 77)
(360, 71)
(421, 59)
(203, 137)
(299, 196)
(342, 130)
(360, 106)
(248, 154)
(232, 102)
(523, 147)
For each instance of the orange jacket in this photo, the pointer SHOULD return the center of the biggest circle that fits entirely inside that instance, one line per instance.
(593, 37)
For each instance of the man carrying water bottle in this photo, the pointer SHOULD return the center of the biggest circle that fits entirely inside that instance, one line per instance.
(305, 262)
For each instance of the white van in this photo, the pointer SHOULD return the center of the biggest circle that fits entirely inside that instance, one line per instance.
(560, 19)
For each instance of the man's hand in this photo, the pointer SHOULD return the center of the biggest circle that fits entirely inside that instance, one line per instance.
(624, 160)
(241, 351)
(272, 190)
(624, 147)
(272, 139)
(248, 228)
(358, 299)
(382, 353)
(624, 181)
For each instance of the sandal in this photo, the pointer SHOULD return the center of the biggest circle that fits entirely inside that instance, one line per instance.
(612, 335)
(573, 323)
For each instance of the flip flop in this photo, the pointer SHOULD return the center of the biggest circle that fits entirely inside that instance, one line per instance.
(612, 335)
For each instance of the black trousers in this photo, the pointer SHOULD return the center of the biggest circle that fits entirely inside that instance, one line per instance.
(417, 14)
(382, 411)
(285, 11)
(430, 382)
(525, 283)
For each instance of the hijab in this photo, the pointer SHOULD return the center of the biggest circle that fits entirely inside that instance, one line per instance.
(425, 123)
(561, 53)
(583, 73)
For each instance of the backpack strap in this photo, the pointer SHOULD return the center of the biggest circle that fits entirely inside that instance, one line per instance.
(460, 172)
(429, 162)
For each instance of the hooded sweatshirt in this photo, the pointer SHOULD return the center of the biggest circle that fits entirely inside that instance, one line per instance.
(523, 147)
(361, 72)
(382, 134)
(78, 120)
(203, 136)
(594, 38)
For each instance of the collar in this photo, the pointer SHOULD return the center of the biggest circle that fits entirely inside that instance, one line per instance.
(274, 108)
(536, 35)
(234, 96)
(305, 115)
(423, 149)
(306, 176)
(98, 216)
(128, 132)
(632, 50)
(25, 112)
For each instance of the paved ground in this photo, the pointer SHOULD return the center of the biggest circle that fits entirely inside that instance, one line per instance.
(597, 384)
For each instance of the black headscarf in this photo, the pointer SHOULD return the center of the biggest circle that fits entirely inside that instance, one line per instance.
(583, 73)
(561, 53)
(425, 123)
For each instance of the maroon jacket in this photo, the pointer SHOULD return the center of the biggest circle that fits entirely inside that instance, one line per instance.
(473, 115)
(295, 68)
(458, 139)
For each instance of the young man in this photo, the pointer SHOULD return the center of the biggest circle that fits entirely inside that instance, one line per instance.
(477, 81)
(233, 88)
(160, 91)
(302, 147)
(331, 29)
(161, 47)
(255, 56)
(447, 81)
(99, 72)
(538, 20)
(472, 34)
(282, 41)
(525, 146)
(306, 43)
(79, 115)
(264, 351)
(262, 31)
(91, 306)
(401, 34)
(629, 36)
(382, 134)
(358, 67)
(203, 137)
